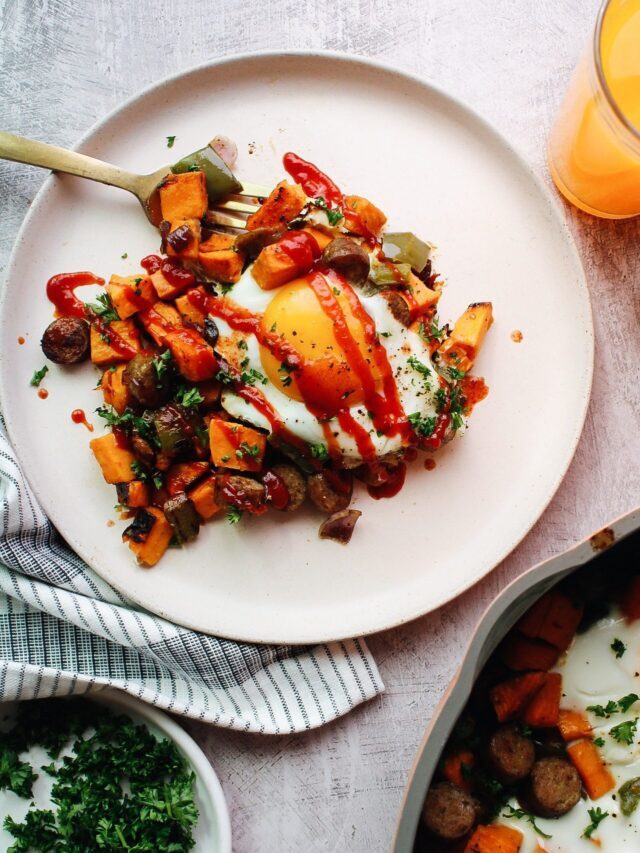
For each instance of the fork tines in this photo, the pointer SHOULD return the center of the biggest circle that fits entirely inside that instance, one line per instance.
(234, 210)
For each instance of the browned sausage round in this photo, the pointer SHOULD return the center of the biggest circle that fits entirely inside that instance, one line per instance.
(66, 340)
(449, 812)
(510, 754)
(554, 787)
(145, 385)
(348, 258)
(327, 495)
(295, 484)
(241, 492)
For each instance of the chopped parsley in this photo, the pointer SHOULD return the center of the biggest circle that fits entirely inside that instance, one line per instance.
(627, 701)
(247, 449)
(120, 787)
(618, 647)
(384, 334)
(170, 141)
(613, 707)
(598, 741)
(146, 476)
(419, 366)
(15, 775)
(250, 377)
(336, 291)
(124, 256)
(129, 421)
(104, 308)
(334, 216)
(597, 816)
(224, 377)
(423, 426)
(319, 451)
(161, 363)
(38, 376)
(435, 333)
(188, 398)
(284, 370)
(455, 374)
(234, 515)
(456, 409)
(625, 732)
(242, 344)
(522, 814)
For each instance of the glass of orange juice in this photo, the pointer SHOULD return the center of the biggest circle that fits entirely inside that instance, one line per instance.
(594, 148)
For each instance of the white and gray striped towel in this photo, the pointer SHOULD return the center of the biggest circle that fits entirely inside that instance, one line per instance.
(63, 630)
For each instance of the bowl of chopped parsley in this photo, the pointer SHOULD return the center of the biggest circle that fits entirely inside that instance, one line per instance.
(108, 773)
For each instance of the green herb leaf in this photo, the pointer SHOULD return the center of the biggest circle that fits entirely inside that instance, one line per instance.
(598, 741)
(625, 732)
(124, 256)
(16, 775)
(522, 814)
(319, 451)
(423, 426)
(104, 308)
(250, 377)
(597, 816)
(234, 515)
(334, 216)
(189, 398)
(618, 647)
(610, 708)
(170, 141)
(38, 376)
(161, 363)
(627, 701)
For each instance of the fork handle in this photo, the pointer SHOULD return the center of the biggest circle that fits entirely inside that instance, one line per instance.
(23, 150)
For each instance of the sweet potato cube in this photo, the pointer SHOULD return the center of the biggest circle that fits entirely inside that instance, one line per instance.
(188, 310)
(134, 494)
(236, 446)
(554, 618)
(115, 461)
(544, 709)
(461, 348)
(283, 204)
(273, 268)
(130, 294)
(148, 535)
(216, 242)
(573, 725)
(222, 265)
(123, 343)
(521, 653)
(595, 775)
(510, 698)
(321, 237)
(185, 474)
(193, 355)
(184, 196)
(159, 320)
(366, 218)
(189, 231)
(203, 497)
(114, 390)
(164, 288)
(495, 838)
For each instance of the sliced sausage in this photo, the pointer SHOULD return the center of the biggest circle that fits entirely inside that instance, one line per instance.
(145, 385)
(330, 492)
(66, 340)
(348, 258)
(241, 492)
(449, 812)
(510, 754)
(295, 484)
(554, 787)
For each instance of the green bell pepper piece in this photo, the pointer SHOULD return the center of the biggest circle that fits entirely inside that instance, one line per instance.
(629, 796)
(384, 275)
(219, 177)
(403, 247)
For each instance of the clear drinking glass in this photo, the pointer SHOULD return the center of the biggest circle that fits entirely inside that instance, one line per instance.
(594, 148)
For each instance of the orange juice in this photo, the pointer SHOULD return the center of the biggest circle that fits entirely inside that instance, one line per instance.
(594, 149)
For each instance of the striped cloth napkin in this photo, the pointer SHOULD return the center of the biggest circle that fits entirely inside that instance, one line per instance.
(63, 630)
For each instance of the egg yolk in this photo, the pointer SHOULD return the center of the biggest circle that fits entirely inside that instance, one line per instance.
(327, 380)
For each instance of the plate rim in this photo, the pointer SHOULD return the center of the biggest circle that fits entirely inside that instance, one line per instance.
(555, 211)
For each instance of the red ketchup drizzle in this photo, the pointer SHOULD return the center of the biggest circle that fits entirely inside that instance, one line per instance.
(435, 439)
(474, 390)
(151, 263)
(366, 447)
(206, 361)
(43, 393)
(114, 340)
(276, 491)
(301, 247)
(60, 291)
(392, 486)
(79, 417)
(314, 182)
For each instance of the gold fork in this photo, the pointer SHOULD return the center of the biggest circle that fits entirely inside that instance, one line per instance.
(230, 213)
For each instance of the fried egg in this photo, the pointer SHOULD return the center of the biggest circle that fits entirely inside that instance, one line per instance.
(294, 312)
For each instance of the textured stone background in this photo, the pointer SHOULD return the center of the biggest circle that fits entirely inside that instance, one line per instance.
(64, 63)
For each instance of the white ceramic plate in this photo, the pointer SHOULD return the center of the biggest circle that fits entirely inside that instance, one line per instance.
(213, 830)
(435, 168)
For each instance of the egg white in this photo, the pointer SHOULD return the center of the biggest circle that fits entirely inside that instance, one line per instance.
(416, 392)
(592, 675)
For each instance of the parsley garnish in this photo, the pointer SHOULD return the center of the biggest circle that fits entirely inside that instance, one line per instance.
(285, 369)
(224, 377)
(247, 449)
(627, 701)
(336, 291)
(120, 788)
(16, 775)
(234, 515)
(618, 647)
(384, 334)
(250, 377)
(455, 374)
(38, 376)
(613, 707)
(521, 814)
(625, 732)
(598, 741)
(147, 477)
(334, 216)
(170, 141)
(319, 451)
(161, 363)
(104, 309)
(129, 421)
(597, 816)
(419, 366)
(189, 398)
(124, 256)
(423, 426)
